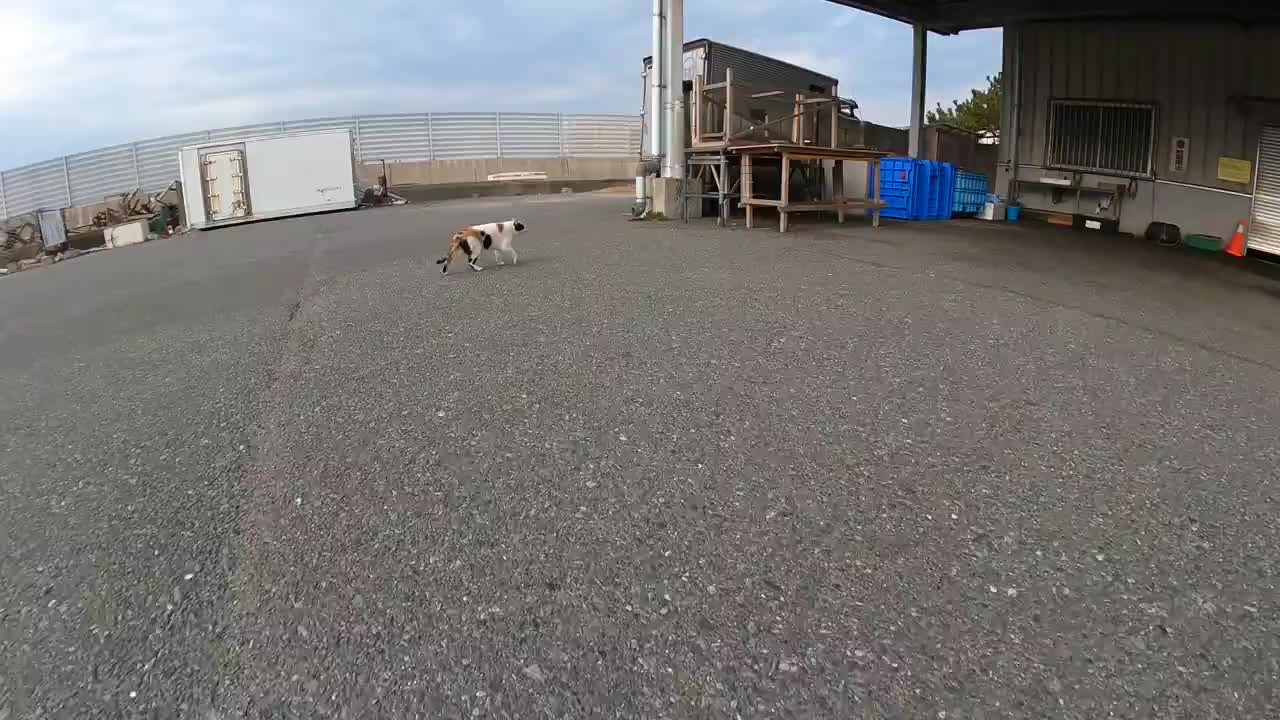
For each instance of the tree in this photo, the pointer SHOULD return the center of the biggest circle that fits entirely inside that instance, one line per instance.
(980, 113)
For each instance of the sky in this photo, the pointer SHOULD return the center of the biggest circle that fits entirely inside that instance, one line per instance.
(76, 75)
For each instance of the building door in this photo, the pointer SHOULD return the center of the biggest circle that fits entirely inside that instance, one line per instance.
(1264, 233)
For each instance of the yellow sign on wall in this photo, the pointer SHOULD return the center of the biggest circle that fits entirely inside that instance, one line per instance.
(1235, 170)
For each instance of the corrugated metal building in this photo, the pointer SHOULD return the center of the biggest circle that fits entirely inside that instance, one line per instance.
(1145, 121)
(709, 59)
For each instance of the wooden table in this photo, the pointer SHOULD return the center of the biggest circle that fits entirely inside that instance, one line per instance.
(789, 152)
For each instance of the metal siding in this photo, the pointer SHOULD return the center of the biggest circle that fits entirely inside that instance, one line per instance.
(1182, 69)
(457, 136)
(53, 228)
(1264, 234)
(753, 69)
(99, 173)
(530, 135)
(394, 138)
(31, 187)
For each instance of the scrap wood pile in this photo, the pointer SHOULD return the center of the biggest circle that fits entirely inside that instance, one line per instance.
(20, 239)
(162, 207)
(23, 244)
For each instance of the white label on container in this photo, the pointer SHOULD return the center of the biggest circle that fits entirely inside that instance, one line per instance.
(1093, 224)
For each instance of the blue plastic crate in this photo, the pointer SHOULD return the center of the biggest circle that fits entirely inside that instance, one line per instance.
(916, 189)
(941, 190)
(970, 193)
(901, 188)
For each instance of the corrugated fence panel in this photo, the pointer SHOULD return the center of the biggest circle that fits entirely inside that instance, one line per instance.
(97, 174)
(601, 135)
(394, 138)
(245, 131)
(403, 137)
(530, 135)
(42, 185)
(332, 123)
(457, 136)
(158, 159)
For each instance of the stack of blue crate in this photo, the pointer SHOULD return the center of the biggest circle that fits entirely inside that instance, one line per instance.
(916, 189)
(970, 193)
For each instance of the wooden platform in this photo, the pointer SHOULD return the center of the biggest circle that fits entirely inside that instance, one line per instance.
(789, 152)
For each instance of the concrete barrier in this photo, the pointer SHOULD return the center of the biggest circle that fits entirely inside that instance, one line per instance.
(447, 172)
(506, 188)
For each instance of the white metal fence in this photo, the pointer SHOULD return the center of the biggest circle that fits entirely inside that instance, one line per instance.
(85, 178)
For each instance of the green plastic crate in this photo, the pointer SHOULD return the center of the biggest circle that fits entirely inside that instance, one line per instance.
(1210, 243)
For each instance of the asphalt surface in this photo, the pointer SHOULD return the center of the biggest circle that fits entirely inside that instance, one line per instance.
(931, 471)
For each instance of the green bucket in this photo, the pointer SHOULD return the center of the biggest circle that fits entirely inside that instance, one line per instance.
(1208, 243)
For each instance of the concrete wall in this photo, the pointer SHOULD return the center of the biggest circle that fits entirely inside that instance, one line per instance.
(444, 172)
(1195, 75)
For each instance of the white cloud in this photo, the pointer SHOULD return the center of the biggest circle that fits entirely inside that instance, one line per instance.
(75, 74)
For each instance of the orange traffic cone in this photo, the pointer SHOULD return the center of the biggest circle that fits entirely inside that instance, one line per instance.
(1236, 245)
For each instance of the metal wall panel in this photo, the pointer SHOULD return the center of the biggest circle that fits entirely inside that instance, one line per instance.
(530, 135)
(1264, 233)
(710, 59)
(457, 136)
(42, 185)
(760, 70)
(601, 135)
(1191, 73)
(85, 178)
(99, 173)
(394, 138)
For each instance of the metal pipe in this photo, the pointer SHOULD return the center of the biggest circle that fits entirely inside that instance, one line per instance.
(657, 83)
(674, 162)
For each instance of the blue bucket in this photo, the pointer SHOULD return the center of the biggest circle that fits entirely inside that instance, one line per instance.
(1012, 212)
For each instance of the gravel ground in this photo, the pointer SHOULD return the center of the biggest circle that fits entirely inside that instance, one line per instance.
(932, 471)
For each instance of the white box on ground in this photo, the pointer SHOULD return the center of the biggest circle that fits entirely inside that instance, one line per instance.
(267, 177)
(129, 233)
(993, 211)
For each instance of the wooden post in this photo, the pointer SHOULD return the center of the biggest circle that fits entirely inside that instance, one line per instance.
(837, 189)
(875, 189)
(835, 119)
(728, 105)
(797, 120)
(723, 188)
(698, 112)
(786, 192)
(746, 189)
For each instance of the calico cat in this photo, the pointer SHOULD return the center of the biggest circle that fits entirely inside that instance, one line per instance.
(475, 239)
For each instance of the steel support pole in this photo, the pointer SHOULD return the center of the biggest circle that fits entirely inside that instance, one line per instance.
(919, 69)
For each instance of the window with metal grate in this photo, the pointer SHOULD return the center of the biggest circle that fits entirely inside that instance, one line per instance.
(1102, 137)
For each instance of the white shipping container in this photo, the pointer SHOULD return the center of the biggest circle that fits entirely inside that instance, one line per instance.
(273, 176)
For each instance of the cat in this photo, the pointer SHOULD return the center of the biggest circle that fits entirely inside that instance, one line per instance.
(472, 240)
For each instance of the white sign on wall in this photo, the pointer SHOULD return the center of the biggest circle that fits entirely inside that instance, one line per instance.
(1178, 151)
